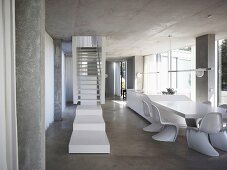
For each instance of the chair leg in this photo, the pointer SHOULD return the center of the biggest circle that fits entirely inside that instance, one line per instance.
(199, 141)
(154, 127)
(168, 134)
(219, 140)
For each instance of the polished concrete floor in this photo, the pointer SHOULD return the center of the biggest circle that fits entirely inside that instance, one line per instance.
(131, 147)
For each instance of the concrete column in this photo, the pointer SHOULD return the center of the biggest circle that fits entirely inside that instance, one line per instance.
(57, 80)
(131, 73)
(205, 57)
(30, 65)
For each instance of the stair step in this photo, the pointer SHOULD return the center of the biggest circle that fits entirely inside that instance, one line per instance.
(89, 110)
(89, 142)
(81, 94)
(89, 100)
(87, 49)
(85, 55)
(90, 64)
(82, 71)
(94, 83)
(88, 68)
(89, 122)
(83, 80)
(88, 89)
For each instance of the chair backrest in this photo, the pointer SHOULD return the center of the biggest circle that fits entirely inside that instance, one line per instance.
(211, 123)
(148, 101)
(223, 106)
(207, 102)
(146, 109)
(156, 113)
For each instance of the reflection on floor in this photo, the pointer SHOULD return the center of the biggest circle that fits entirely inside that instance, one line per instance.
(131, 147)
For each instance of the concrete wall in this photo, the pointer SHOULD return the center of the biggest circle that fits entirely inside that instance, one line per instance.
(205, 57)
(110, 79)
(68, 79)
(131, 73)
(63, 81)
(30, 83)
(58, 80)
(49, 80)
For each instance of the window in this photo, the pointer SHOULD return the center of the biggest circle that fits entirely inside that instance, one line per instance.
(180, 81)
(222, 55)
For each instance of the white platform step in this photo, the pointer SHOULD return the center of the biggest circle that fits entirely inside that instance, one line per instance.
(89, 110)
(89, 122)
(89, 142)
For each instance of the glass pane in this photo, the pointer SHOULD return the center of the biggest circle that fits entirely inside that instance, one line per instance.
(163, 77)
(223, 59)
(150, 78)
(183, 62)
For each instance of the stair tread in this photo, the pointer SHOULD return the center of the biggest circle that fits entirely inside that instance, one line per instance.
(88, 119)
(89, 138)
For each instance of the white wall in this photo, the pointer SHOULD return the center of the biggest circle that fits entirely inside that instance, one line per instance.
(49, 80)
(69, 79)
(138, 69)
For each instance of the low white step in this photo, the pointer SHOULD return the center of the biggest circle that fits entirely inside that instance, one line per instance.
(89, 122)
(89, 142)
(88, 97)
(87, 78)
(89, 110)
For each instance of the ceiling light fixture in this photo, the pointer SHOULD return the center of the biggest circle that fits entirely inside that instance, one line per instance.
(199, 71)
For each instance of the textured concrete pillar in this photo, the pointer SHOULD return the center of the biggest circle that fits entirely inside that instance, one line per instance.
(57, 80)
(205, 57)
(30, 27)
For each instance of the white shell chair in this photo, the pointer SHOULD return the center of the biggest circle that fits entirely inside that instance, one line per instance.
(219, 140)
(168, 131)
(154, 126)
(198, 138)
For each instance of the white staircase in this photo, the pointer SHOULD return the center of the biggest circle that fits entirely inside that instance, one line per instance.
(88, 75)
(88, 134)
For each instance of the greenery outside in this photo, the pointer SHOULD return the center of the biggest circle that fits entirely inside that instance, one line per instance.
(223, 52)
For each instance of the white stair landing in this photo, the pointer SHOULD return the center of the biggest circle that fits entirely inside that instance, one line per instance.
(89, 142)
(88, 110)
(89, 122)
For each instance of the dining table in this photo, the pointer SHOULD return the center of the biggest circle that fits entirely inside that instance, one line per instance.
(190, 110)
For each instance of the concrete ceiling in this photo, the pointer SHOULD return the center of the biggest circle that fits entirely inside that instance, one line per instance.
(137, 27)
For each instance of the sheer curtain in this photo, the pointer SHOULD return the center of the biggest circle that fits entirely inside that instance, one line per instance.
(150, 77)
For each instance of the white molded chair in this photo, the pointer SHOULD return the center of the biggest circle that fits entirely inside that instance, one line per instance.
(219, 140)
(198, 138)
(168, 131)
(153, 127)
(223, 106)
(207, 102)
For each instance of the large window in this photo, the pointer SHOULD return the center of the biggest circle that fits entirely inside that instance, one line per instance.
(222, 54)
(179, 59)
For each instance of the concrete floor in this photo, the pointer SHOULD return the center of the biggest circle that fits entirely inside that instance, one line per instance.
(131, 147)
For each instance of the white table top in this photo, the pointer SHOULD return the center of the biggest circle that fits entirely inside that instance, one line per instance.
(190, 109)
